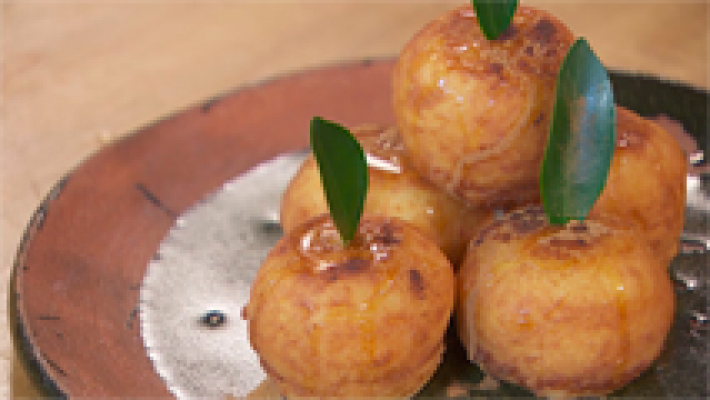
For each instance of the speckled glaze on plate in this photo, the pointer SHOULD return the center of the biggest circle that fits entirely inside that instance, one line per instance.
(75, 289)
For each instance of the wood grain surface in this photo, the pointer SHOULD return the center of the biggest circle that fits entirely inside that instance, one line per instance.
(78, 76)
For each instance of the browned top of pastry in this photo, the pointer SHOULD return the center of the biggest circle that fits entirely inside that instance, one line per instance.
(535, 44)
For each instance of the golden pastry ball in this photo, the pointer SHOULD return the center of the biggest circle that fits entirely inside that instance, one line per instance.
(646, 183)
(365, 320)
(474, 114)
(573, 310)
(395, 190)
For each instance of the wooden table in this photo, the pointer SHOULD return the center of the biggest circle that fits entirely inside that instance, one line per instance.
(77, 75)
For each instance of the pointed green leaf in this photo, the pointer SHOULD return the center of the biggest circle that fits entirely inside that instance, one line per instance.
(582, 137)
(343, 170)
(494, 16)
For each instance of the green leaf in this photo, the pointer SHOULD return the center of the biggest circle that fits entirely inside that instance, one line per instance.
(582, 137)
(494, 16)
(343, 170)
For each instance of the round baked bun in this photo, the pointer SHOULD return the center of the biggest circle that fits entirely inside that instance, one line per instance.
(646, 183)
(395, 190)
(365, 320)
(573, 310)
(474, 114)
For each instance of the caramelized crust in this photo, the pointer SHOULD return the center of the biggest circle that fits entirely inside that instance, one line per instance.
(395, 190)
(646, 183)
(473, 113)
(364, 320)
(573, 310)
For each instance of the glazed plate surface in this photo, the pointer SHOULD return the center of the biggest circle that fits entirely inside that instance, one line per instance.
(134, 269)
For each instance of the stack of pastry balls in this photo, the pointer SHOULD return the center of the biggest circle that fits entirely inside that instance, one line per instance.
(452, 224)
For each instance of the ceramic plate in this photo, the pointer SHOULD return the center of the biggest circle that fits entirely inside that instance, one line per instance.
(76, 289)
